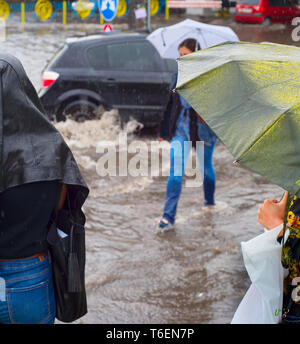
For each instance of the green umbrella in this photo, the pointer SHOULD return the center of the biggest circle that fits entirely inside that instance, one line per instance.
(249, 94)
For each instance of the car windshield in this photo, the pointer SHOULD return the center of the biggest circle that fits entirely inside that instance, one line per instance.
(249, 2)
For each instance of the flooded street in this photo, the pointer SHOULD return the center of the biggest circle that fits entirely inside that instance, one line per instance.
(194, 274)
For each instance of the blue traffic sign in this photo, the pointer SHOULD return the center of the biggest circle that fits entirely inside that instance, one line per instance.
(108, 9)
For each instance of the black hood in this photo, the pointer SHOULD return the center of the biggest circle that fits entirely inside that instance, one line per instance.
(31, 149)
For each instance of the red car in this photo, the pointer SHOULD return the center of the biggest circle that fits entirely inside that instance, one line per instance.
(266, 11)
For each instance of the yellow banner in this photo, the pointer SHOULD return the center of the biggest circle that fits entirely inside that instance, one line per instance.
(43, 9)
(4, 10)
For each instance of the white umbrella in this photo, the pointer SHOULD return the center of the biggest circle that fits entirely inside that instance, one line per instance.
(167, 39)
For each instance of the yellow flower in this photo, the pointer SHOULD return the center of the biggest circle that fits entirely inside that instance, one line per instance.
(290, 218)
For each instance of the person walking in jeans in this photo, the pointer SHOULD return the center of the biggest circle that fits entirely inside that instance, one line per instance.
(37, 173)
(180, 124)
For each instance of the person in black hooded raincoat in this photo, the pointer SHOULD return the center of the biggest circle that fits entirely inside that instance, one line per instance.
(37, 172)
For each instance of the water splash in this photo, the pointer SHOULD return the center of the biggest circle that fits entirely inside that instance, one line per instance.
(85, 135)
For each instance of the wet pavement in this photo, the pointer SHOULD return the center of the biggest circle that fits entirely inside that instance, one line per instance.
(194, 274)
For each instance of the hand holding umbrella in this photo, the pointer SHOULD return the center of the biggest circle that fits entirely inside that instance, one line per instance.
(271, 212)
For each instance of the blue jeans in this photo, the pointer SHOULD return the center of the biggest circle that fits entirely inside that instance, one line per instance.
(28, 297)
(177, 166)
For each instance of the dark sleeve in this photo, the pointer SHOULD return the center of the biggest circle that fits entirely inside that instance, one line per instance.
(164, 127)
(295, 208)
(165, 123)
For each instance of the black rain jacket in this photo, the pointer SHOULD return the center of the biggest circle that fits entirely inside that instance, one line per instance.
(31, 149)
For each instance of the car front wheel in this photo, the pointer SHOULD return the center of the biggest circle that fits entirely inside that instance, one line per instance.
(267, 21)
(78, 110)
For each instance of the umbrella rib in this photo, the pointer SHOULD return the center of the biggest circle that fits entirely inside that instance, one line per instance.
(221, 64)
(249, 96)
(266, 130)
(200, 33)
(163, 38)
(259, 90)
(260, 136)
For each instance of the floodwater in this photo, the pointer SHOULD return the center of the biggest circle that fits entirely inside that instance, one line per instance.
(194, 274)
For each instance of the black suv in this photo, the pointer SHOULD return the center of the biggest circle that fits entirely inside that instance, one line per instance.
(107, 71)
